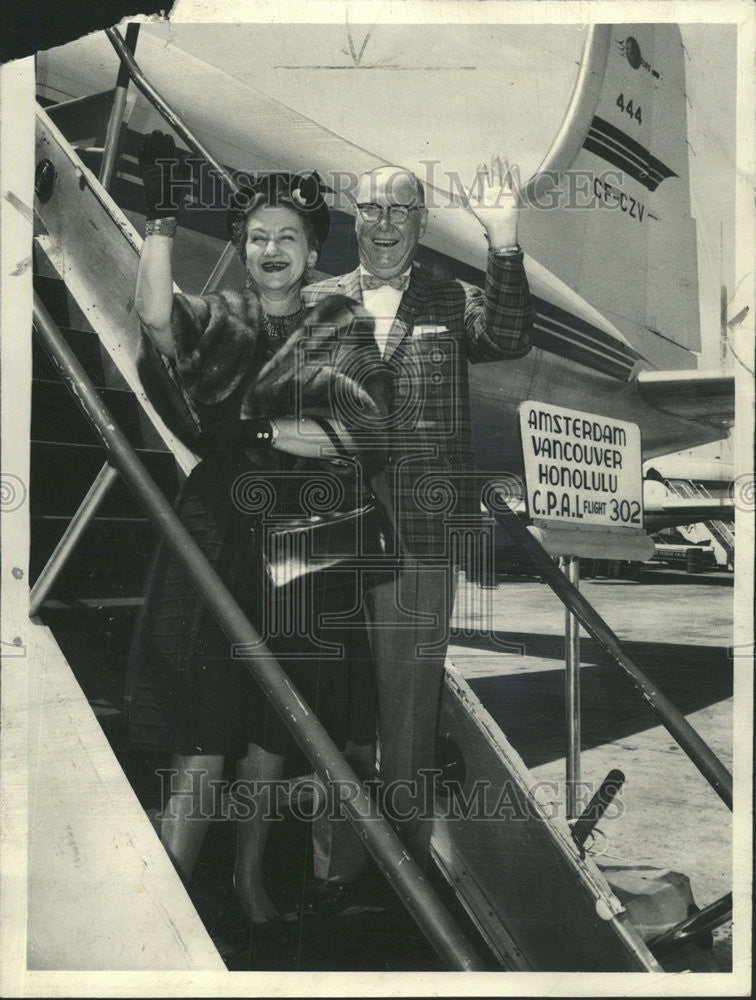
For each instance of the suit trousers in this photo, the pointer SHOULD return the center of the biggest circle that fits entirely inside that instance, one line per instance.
(409, 611)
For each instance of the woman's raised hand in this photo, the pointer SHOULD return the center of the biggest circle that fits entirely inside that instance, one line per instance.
(494, 199)
(163, 177)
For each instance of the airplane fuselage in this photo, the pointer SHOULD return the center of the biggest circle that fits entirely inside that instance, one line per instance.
(583, 358)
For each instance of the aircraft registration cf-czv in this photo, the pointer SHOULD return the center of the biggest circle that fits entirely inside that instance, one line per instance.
(595, 118)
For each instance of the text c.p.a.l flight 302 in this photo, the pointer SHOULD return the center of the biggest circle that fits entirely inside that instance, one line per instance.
(596, 119)
(596, 122)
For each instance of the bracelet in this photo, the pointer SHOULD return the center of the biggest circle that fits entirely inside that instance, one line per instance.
(513, 248)
(161, 227)
(273, 431)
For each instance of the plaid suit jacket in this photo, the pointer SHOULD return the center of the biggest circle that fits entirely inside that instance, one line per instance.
(440, 326)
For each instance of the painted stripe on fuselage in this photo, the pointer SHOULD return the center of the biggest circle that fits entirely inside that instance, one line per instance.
(591, 337)
(569, 336)
(612, 145)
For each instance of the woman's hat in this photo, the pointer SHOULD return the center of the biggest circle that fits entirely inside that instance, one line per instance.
(303, 193)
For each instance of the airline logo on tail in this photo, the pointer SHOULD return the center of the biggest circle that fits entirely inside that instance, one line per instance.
(632, 52)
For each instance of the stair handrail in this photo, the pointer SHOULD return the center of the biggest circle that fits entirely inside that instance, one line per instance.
(379, 838)
(328, 762)
(722, 532)
(699, 752)
(164, 109)
(112, 144)
(686, 736)
(176, 122)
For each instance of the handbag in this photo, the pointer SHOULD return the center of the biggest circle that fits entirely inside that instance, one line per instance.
(316, 542)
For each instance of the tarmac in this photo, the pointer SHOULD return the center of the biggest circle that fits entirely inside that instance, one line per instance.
(678, 628)
(508, 642)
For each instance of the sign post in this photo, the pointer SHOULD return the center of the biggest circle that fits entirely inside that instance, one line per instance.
(584, 489)
(571, 569)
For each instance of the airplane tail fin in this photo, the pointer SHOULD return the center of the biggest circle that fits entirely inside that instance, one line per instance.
(616, 223)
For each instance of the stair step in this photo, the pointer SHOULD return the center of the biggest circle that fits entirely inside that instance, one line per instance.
(86, 347)
(84, 118)
(60, 303)
(107, 603)
(110, 560)
(104, 709)
(91, 157)
(42, 266)
(54, 494)
(56, 417)
(95, 640)
(97, 363)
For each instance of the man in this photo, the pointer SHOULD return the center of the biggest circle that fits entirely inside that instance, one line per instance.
(427, 329)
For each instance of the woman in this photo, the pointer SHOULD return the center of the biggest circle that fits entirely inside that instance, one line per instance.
(252, 405)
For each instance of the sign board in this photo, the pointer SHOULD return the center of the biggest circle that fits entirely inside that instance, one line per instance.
(583, 482)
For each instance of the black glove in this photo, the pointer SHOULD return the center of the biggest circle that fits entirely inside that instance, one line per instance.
(163, 175)
(236, 435)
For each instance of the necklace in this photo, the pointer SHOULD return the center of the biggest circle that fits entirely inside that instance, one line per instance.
(280, 327)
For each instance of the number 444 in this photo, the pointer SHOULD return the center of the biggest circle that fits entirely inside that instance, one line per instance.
(628, 108)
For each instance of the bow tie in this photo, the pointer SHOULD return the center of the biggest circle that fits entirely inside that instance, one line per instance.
(369, 282)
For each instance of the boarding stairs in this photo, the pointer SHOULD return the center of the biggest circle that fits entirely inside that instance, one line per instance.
(91, 607)
(84, 238)
(720, 532)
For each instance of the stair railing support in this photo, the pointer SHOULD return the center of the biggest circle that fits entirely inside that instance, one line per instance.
(218, 272)
(130, 66)
(675, 722)
(694, 927)
(571, 569)
(71, 536)
(158, 102)
(115, 121)
(331, 767)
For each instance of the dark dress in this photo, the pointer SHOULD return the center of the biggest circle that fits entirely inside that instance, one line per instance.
(187, 691)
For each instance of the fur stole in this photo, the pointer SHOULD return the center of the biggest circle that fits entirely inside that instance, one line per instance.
(329, 365)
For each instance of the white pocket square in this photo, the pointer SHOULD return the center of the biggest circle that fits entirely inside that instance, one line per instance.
(428, 330)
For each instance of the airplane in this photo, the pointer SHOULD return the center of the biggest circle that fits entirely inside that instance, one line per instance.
(612, 271)
(609, 239)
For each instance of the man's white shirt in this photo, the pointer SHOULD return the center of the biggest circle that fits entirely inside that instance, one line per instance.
(382, 304)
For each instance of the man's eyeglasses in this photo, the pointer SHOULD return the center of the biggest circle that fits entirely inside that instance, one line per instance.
(396, 213)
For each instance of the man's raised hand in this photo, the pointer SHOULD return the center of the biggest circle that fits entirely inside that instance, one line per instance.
(494, 199)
